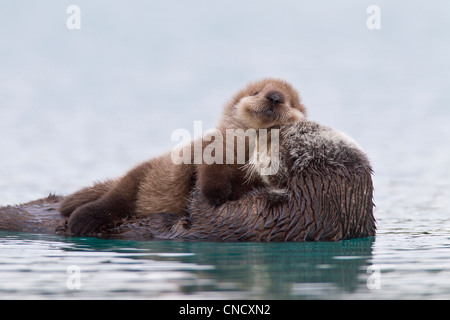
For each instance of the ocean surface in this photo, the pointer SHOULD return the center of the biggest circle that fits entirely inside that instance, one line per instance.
(82, 105)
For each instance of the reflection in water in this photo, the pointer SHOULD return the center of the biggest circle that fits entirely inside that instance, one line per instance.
(278, 270)
(261, 270)
(33, 264)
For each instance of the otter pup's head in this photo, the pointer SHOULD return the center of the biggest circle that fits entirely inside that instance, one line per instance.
(264, 104)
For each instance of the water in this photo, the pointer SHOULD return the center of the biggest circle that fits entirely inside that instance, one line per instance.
(81, 105)
(174, 270)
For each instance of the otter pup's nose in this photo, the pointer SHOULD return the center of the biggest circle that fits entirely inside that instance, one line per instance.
(275, 97)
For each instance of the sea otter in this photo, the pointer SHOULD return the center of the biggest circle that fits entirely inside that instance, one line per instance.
(267, 104)
(329, 197)
(160, 185)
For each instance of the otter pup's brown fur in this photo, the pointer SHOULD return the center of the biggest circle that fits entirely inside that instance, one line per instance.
(157, 185)
(160, 185)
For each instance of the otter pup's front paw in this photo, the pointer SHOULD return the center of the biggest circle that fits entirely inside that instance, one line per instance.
(88, 219)
(217, 193)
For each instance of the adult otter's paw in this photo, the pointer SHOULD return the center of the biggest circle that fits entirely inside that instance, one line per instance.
(218, 192)
(88, 219)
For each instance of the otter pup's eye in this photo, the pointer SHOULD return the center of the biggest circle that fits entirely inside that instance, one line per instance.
(254, 94)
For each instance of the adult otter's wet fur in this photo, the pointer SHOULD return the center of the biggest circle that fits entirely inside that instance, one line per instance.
(160, 185)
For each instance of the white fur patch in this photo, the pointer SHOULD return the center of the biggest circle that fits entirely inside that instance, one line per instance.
(338, 136)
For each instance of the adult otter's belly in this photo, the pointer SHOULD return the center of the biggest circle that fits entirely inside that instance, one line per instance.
(327, 195)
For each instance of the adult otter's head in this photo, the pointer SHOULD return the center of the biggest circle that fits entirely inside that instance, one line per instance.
(264, 104)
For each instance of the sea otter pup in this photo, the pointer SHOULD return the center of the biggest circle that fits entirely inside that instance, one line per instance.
(160, 185)
(267, 104)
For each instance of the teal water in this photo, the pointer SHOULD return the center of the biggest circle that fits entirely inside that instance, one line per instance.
(78, 106)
